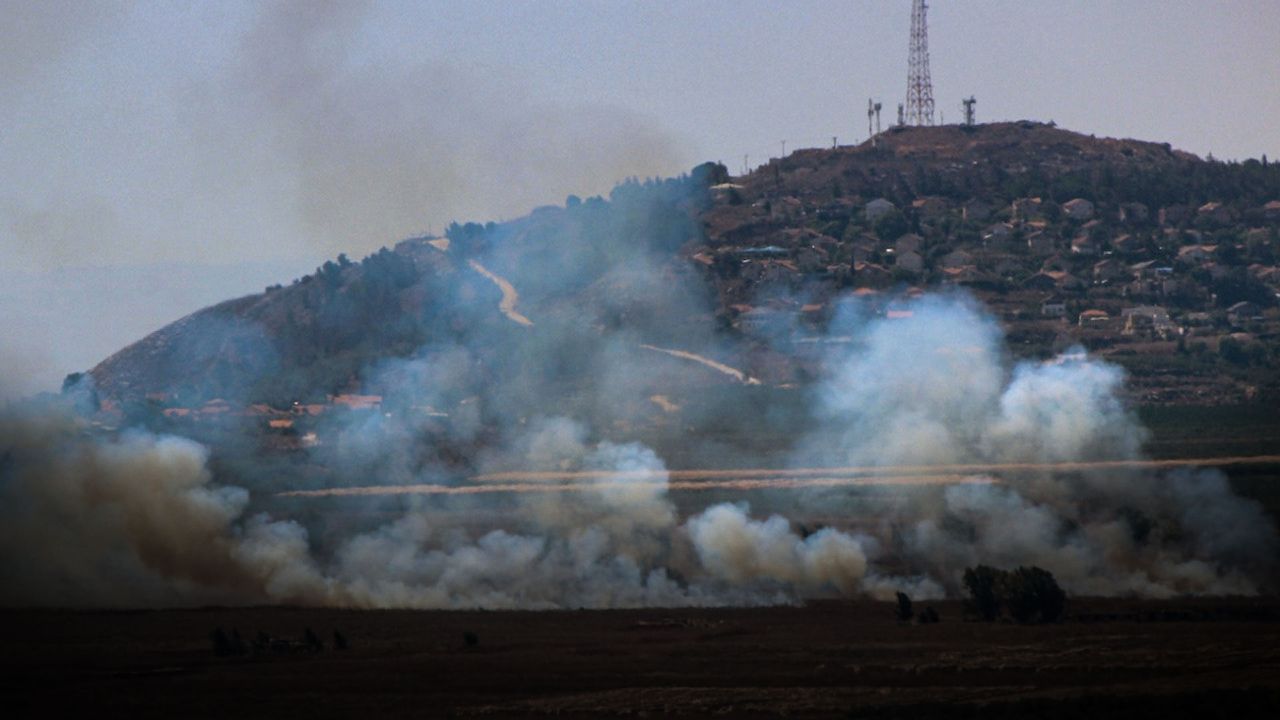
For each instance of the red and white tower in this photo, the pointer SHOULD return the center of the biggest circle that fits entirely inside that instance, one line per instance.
(919, 85)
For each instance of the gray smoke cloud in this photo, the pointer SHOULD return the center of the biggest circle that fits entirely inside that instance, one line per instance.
(139, 137)
(936, 388)
(543, 343)
(137, 518)
(372, 149)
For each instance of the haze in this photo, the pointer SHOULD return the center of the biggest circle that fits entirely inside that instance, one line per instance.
(160, 157)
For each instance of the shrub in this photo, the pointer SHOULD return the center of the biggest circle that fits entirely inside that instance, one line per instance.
(981, 582)
(904, 613)
(1031, 595)
(1027, 594)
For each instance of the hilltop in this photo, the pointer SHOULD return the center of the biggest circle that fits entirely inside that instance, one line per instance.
(1161, 260)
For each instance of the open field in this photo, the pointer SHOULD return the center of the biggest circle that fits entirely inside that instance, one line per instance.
(827, 659)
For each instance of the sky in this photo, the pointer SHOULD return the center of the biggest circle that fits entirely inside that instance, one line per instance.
(160, 156)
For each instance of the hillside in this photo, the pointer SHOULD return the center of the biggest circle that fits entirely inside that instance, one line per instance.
(1133, 249)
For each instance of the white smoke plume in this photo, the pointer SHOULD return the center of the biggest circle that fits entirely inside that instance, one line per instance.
(934, 386)
(93, 518)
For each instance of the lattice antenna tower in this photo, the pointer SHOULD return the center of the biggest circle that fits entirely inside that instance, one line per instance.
(919, 84)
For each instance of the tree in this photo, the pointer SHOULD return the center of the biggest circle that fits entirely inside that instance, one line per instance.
(981, 583)
(1028, 594)
(1031, 595)
(891, 225)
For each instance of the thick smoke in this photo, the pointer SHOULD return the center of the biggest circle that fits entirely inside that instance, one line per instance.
(934, 387)
(136, 520)
(94, 516)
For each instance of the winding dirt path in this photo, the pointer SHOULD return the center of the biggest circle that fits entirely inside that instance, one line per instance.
(717, 366)
(509, 295)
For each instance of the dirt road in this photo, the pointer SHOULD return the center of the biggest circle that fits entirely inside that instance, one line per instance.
(717, 366)
(509, 295)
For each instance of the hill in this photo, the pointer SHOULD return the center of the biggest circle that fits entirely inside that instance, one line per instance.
(1133, 249)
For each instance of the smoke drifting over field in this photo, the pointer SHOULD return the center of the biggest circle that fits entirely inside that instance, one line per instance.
(138, 520)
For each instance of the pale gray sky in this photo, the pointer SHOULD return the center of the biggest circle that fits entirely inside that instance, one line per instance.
(279, 134)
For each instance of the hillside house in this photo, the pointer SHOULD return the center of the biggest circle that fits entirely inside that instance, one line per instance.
(356, 402)
(1056, 262)
(1147, 321)
(216, 406)
(1093, 318)
(976, 211)
(1053, 307)
(1134, 213)
(1243, 312)
(759, 253)
(1196, 254)
(910, 242)
(930, 208)
(1109, 270)
(1079, 210)
(1216, 213)
(962, 274)
(910, 261)
(862, 251)
(1127, 245)
(878, 208)
(1085, 245)
(1145, 270)
(956, 259)
(1051, 280)
(1041, 243)
(870, 275)
(1255, 239)
(767, 322)
(1271, 211)
(1025, 209)
(997, 232)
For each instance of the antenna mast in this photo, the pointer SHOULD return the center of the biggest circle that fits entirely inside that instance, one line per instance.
(873, 113)
(968, 109)
(919, 84)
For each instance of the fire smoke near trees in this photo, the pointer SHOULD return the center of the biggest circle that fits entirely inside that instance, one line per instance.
(137, 519)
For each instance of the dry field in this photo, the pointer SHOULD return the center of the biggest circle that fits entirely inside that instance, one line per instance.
(842, 659)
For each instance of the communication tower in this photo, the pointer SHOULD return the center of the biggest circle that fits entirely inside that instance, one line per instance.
(873, 120)
(919, 84)
(968, 109)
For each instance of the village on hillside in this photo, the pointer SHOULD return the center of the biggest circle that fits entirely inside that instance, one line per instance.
(1170, 291)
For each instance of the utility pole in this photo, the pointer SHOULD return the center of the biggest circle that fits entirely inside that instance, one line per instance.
(919, 84)
(784, 148)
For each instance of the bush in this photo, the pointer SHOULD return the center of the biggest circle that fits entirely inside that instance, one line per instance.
(904, 613)
(981, 582)
(1031, 595)
(1028, 594)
